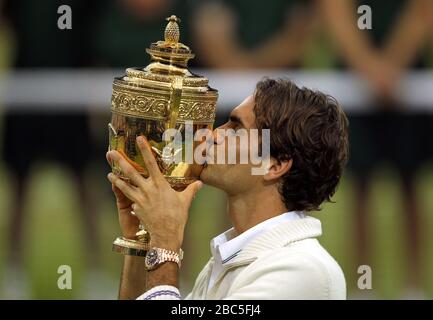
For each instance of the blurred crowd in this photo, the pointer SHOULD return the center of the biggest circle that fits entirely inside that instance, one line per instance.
(225, 34)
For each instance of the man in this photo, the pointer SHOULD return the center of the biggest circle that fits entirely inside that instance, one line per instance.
(271, 251)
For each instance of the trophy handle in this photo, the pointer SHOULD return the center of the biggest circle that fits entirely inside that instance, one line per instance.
(174, 103)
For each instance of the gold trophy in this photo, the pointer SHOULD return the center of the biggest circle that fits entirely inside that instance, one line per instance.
(148, 101)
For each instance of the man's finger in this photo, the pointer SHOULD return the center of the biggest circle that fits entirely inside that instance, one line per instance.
(149, 160)
(123, 202)
(110, 162)
(190, 191)
(119, 195)
(128, 170)
(128, 190)
(116, 191)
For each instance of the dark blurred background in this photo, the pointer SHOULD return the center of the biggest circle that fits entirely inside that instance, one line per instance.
(55, 87)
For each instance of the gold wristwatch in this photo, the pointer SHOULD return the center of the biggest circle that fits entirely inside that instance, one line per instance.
(157, 256)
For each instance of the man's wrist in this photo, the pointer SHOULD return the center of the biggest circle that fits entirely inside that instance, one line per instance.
(165, 244)
(171, 243)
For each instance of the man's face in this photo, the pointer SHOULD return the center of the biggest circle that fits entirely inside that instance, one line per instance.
(233, 178)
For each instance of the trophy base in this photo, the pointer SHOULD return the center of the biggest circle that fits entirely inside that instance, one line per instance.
(130, 247)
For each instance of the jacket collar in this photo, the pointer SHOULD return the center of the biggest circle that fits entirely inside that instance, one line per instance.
(277, 237)
(227, 245)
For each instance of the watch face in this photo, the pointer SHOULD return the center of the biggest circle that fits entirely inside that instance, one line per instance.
(152, 259)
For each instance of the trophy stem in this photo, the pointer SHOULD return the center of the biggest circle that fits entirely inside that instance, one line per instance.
(134, 247)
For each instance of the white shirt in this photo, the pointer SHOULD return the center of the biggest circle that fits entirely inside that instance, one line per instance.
(226, 246)
(284, 262)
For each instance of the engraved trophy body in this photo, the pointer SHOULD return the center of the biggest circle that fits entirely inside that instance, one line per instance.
(148, 101)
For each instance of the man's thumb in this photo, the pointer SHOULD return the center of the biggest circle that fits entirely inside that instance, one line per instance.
(192, 189)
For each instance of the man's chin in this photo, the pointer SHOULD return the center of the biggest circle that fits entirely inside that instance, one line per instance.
(203, 174)
(206, 174)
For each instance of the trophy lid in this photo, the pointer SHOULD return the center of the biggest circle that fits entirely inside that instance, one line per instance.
(171, 50)
(165, 89)
(169, 58)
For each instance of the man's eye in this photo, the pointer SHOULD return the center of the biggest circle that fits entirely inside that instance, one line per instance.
(236, 125)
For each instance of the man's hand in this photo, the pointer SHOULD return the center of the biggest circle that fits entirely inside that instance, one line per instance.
(129, 224)
(162, 210)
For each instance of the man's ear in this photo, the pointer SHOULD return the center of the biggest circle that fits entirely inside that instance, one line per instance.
(277, 169)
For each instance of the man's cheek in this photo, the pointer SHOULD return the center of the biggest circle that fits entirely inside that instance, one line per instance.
(243, 153)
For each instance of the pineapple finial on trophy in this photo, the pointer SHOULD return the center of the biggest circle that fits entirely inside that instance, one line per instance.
(172, 33)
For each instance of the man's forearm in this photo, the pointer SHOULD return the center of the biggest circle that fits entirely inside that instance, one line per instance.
(133, 278)
(136, 280)
(165, 274)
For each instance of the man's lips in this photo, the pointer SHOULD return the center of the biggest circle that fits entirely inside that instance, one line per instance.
(206, 153)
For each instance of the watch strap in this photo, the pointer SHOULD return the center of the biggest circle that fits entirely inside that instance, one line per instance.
(157, 256)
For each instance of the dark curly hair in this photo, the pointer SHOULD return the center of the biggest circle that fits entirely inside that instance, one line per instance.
(310, 128)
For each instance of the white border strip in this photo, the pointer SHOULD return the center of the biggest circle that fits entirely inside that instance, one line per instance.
(48, 90)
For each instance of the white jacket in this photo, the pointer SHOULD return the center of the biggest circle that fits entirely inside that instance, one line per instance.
(285, 262)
